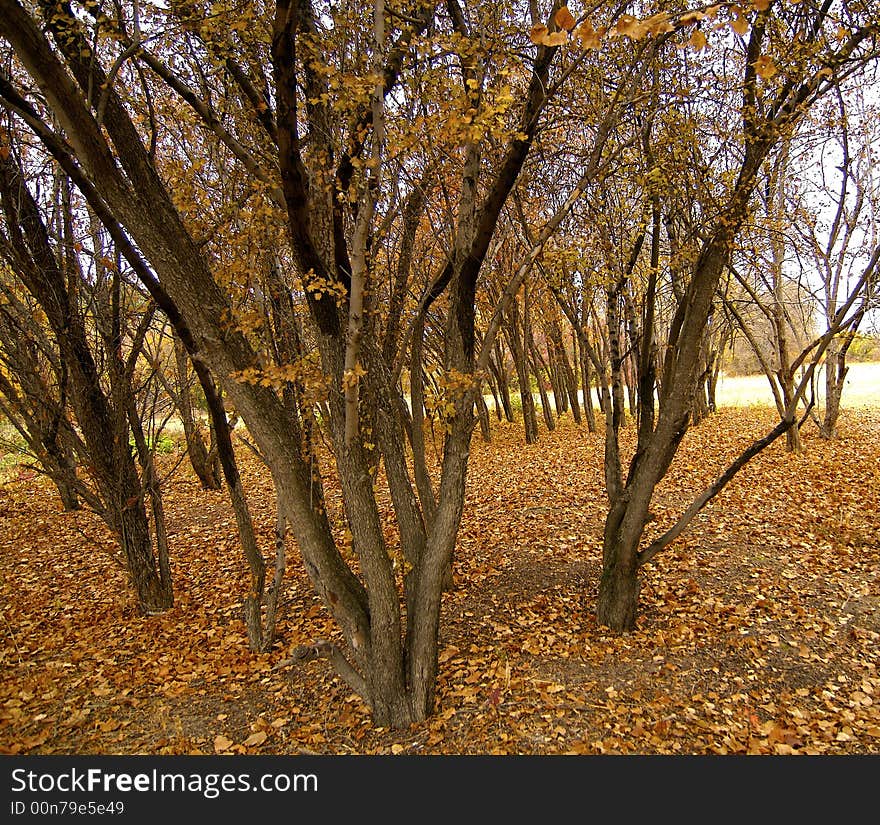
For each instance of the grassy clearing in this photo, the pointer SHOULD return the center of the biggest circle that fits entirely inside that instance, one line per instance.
(862, 389)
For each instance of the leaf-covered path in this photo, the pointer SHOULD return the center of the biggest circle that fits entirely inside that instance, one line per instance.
(758, 633)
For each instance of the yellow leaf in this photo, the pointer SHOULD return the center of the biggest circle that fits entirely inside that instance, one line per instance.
(658, 24)
(396, 749)
(564, 19)
(761, 5)
(351, 377)
(255, 739)
(589, 37)
(109, 726)
(740, 25)
(537, 33)
(447, 654)
(222, 743)
(697, 40)
(765, 68)
(629, 26)
(555, 39)
(691, 17)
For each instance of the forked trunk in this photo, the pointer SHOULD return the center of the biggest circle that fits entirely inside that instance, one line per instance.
(618, 599)
(154, 593)
(619, 592)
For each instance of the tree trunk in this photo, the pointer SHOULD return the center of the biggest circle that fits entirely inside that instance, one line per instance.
(632, 391)
(68, 495)
(571, 382)
(617, 606)
(150, 483)
(532, 350)
(520, 362)
(154, 594)
(588, 388)
(700, 408)
(483, 412)
(554, 373)
(835, 377)
(567, 375)
(63, 469)
(104, 428)
(493, 388)
(199, 456)
(496, 365)
(547, 413)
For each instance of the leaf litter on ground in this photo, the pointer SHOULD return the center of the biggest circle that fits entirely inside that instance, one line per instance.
(758, 629)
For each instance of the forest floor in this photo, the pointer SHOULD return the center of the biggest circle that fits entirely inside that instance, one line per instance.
(759, 629)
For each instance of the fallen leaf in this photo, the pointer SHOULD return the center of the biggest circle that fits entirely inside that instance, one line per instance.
(222, 743)
(255, 739)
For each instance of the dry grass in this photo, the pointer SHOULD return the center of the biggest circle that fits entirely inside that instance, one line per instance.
(862, 389)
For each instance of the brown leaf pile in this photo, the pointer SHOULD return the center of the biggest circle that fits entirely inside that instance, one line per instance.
(758, 631)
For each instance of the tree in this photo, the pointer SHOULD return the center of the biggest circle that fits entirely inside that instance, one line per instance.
(392, 668)
(840, 247)
(350, 145)
(34, 393)
(776, 86)
(107, 418)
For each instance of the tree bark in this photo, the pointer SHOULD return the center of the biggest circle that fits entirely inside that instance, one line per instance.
(199, 455)
(527, 400)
